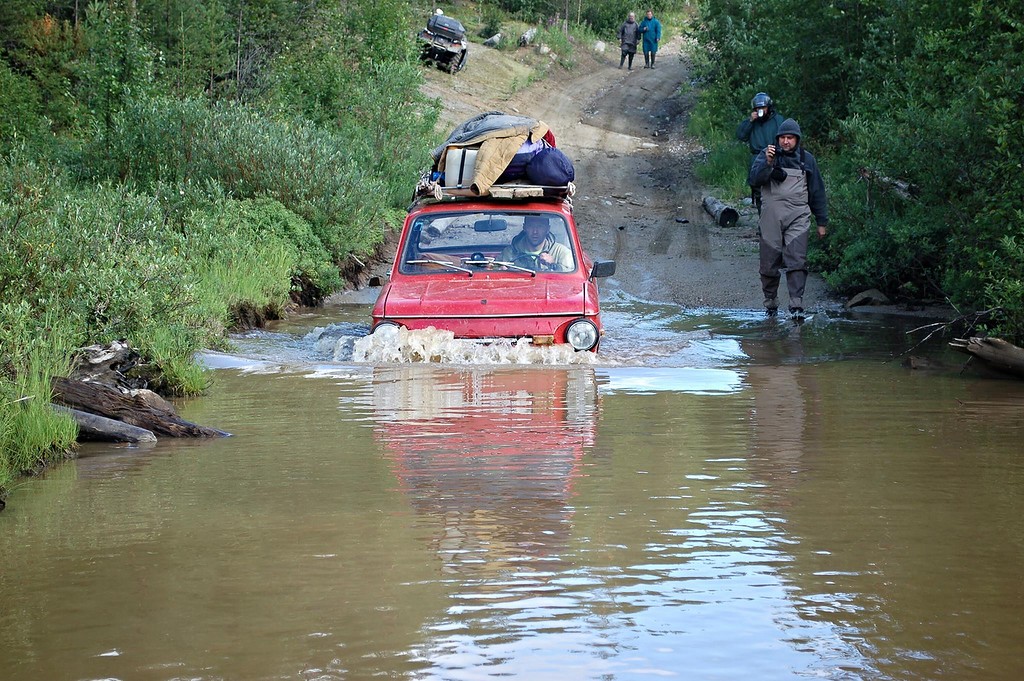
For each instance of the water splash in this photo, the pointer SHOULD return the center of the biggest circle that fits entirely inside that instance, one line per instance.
(399, 345)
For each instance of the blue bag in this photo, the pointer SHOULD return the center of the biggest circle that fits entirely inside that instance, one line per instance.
(550, 167)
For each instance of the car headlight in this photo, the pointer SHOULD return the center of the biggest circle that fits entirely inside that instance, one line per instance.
(582, 335)
(387, 329)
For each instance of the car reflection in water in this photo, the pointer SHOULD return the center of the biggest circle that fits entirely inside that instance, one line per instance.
(490, 455)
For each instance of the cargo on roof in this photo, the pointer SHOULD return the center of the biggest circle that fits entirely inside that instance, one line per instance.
(498, 149)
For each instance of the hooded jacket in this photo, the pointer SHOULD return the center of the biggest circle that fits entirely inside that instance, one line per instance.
(799, 158)
(651, 31)
(629, 35)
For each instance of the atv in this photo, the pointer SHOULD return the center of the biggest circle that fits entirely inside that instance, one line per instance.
(444, 43)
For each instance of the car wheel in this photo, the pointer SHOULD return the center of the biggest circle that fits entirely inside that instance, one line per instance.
(461, 62)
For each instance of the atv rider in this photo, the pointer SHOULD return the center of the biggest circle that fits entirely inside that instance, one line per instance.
(758, 131)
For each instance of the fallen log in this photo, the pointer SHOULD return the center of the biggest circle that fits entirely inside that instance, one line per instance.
(141, 408)
(724, 215)
(996, 353)
(93, 427)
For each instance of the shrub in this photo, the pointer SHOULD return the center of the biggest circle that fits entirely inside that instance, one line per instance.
(315, 173)
(20, 110)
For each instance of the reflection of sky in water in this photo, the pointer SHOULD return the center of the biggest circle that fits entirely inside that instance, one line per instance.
(707, 590)
(637, 380)
(648, 380)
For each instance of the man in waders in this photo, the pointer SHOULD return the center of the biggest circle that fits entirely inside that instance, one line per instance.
(791, 191)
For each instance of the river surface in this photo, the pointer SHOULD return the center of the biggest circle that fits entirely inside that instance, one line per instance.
(715, 496)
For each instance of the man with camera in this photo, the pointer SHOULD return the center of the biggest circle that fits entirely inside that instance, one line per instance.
(791, 191)
(758, 131)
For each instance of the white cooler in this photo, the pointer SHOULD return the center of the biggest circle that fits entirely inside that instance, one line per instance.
(459, 167)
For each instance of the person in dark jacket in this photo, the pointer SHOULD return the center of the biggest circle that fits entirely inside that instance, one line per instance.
(629, 36)
(758, 131)
(650, 29)
(792, 191)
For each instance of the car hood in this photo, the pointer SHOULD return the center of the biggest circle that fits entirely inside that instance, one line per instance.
(508, 296)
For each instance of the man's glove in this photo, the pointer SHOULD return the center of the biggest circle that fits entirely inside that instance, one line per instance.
(778, 174)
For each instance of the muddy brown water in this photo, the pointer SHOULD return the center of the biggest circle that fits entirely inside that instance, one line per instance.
(718, 496)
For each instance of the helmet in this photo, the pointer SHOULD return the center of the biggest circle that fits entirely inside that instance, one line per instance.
(761, 100)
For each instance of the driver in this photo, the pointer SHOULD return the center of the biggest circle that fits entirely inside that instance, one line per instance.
(535, 248)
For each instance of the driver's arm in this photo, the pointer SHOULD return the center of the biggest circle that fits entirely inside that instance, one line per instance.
(561, 258)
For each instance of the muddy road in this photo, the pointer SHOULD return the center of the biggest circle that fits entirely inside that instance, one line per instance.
(638, 201)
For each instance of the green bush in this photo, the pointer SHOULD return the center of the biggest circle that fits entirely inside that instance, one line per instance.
(491, 21)
(1004, 286)
(21, 117)
(314, 172)
(230, 238)
(111, 263)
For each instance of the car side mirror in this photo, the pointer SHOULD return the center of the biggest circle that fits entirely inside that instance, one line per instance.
(375, 282)
(602, 268)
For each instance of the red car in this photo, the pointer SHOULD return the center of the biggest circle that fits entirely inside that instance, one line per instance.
(486, 268)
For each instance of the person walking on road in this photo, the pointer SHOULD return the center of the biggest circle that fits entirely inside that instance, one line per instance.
(758, 131)
(792, 190)
(629, 36)
(650, 29)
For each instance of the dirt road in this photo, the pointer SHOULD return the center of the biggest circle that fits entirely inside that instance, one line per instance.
(637, 199)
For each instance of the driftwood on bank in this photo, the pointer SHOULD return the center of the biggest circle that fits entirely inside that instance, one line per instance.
(724, 215)
(141, 408)
(996, 353)
(106, 395)
(93, 427)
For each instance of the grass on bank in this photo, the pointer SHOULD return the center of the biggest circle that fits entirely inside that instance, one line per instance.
(169, 273)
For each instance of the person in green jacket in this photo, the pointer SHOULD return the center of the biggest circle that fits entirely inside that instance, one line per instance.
(650, 29)
(758, 131)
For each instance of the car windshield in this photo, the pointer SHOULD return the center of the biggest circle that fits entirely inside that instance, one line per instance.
(447, 242)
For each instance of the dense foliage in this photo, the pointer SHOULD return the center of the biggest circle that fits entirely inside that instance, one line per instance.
(926, 94)
(602, 17)
(170, 167)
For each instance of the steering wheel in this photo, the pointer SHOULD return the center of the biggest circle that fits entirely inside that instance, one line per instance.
(532, 259)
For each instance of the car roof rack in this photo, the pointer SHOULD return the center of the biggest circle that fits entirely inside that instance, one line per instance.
(432, 192)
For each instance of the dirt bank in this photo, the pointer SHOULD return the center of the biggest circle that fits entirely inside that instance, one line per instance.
(638, 201)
